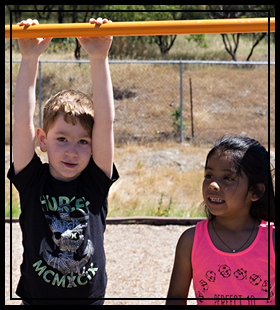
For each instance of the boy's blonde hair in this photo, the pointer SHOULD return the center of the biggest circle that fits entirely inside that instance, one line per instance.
(74, 105)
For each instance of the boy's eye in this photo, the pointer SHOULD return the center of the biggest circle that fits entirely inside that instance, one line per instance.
(61, 139)
(83, 142)
(208, 176)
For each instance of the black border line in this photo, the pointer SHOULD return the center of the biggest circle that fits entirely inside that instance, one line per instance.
(268, 126)
(11, 298)
(11, 156)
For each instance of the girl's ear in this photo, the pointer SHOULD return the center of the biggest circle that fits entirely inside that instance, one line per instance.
(42, 139)
(257, 196)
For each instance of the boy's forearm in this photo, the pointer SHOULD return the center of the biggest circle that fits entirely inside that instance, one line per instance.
(103, 100)
(24, 107)
(24, 104)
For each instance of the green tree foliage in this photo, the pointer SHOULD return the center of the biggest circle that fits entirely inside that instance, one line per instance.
(135, 46)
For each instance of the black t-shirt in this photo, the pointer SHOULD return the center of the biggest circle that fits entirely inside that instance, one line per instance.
(62, 225)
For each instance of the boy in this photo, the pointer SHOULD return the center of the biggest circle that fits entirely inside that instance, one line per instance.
(64, 202)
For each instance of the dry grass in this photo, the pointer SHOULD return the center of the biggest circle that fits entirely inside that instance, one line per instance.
(232, 100)
(158, 178)
(155, 177)
(225, 98)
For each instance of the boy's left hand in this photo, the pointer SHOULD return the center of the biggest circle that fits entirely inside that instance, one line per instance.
(97, 47)
(32, 48)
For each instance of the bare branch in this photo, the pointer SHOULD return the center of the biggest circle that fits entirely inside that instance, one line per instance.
(255, 44)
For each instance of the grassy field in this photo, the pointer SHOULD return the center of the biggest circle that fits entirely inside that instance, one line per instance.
(159, 176)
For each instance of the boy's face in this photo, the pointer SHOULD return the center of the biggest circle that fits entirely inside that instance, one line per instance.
(69, 149)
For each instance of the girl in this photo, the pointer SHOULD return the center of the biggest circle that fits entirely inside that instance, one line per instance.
(227, 255)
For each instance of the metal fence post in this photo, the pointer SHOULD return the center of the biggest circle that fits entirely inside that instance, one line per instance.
(40, 96)
(181, 103)
(192, 124)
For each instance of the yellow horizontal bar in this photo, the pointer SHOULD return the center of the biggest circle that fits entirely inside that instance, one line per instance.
(143, 28)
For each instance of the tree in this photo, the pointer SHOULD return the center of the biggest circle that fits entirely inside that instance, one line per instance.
(165, 43)
(231, 41)
(169, 12)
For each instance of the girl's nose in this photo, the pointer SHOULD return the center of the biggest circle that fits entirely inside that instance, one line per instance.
(214, 186)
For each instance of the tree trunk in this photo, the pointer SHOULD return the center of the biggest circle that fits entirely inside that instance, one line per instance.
(164, 45)
(255, 44)
(61, 14)
(228, 45)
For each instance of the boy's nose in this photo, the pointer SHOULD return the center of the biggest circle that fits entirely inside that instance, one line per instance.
(214, 186)
(71, 150)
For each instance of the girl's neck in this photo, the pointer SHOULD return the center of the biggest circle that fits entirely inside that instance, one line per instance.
(234, 224)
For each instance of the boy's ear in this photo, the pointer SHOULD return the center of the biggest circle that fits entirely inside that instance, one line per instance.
(42, 139)
(257, 196)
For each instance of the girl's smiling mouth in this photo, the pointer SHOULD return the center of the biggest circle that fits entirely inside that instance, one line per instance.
(215, 200)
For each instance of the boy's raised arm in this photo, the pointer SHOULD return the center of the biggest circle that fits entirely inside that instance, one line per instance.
(24, 104)
(103, 101)
(24, 107)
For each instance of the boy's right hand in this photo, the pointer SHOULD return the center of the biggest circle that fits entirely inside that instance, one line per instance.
(32, 48)
(25, 98)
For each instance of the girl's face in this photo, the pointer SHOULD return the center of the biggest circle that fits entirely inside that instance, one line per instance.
(224, 192)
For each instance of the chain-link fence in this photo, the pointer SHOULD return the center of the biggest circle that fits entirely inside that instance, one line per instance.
(216, 97)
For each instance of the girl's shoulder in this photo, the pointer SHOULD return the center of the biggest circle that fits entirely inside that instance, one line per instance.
(185, 242)
(188, 234)
(187, 238)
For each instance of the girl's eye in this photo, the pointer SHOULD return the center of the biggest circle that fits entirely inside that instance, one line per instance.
(208, 176)
(83, 142)
(228, 179)
(62, 139)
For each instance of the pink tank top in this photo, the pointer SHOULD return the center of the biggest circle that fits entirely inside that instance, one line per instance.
(244, 274)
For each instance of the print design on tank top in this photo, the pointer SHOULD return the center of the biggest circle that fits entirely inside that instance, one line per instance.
(225, 272)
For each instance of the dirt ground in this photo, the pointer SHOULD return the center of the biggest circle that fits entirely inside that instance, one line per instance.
(139, 262)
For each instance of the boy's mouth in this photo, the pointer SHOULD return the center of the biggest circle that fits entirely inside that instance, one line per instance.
(69, 165)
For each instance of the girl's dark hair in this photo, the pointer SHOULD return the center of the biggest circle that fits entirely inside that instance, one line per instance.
(251, 158)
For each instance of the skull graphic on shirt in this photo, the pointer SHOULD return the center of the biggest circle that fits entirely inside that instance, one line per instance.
(67, 234)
